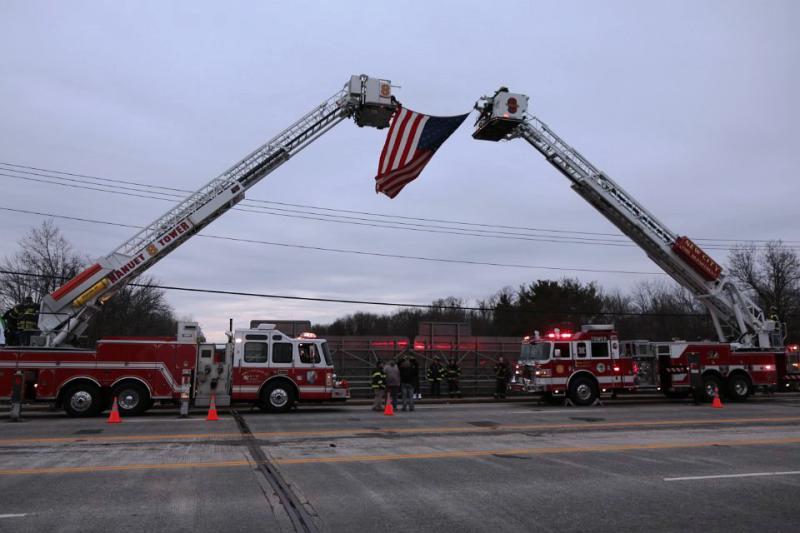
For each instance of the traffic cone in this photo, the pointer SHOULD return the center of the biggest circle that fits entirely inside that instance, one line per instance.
(114, 418)
(212, 409)
(388, 410)
(716, 404)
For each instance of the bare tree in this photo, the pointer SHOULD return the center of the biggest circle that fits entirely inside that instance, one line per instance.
(772, 276)
(46, 260)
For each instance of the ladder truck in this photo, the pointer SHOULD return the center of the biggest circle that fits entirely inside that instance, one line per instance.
(260, 365)
(750, 351)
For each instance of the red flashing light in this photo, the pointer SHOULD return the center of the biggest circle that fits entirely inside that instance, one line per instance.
(566, 335)
(616, 368)
(768, 367)
(794, 347)
(551, 335)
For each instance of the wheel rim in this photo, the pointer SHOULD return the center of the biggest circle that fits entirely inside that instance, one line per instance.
(278, 398)
(740, 387)
(128, 399)
(81, 401)
(583, 391)
(711, 389)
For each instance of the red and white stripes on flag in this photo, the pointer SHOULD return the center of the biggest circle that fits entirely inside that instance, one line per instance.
(412, 140)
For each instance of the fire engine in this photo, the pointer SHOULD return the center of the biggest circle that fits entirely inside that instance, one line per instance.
(750, 351)
(260, 365)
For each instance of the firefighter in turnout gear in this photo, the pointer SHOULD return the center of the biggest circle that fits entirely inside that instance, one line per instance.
(502, 373)
(453, 373)
(378, 386)
(24, 321)
(435, 375)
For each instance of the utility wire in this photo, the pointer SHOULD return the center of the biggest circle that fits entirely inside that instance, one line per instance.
(250, 201)
(342, 250)
(379, 224)
(372, 302)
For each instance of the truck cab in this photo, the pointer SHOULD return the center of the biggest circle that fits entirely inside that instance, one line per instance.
(580, 365)
(277, 370)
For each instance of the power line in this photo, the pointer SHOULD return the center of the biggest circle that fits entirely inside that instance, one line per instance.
(249, 202)
(342, 250)
(373, 302)
(353, 221)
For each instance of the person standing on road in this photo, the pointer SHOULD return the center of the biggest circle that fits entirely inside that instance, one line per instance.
(453, 373)
(378, 386)
(415, 365)
(392, 381)
(407, 374)
(502, 374)
(435, 374)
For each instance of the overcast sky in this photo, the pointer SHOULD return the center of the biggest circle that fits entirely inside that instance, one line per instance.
(691, 106)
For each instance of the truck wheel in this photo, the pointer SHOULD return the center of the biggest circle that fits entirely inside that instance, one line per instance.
(132, 398)
(738, 388)
(277, 398)
(583, 391)
(82, 400)
(711, 384)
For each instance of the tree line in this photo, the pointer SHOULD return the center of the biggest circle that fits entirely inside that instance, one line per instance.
(653, 310)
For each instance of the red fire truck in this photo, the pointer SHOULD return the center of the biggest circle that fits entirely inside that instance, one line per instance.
(584, 364)
(260, 365)
(750, 351)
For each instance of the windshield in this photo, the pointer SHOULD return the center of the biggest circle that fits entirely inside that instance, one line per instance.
(327, 354)
(535, 352)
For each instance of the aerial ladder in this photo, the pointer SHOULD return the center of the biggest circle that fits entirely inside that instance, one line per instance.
(65, 313)
(737, 319)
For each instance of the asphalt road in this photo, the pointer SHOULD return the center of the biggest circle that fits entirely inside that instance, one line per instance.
(627, 466)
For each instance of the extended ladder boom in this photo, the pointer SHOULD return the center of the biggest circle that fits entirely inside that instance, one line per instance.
(736, 317)
(65, 312)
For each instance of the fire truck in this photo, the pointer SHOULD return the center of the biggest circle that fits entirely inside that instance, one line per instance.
(259, 365)
(750, 351)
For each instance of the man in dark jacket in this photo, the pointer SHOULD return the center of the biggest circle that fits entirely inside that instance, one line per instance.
(435, 375)
(378, 386)
(502, 373)
(408, 374)
(453, 373)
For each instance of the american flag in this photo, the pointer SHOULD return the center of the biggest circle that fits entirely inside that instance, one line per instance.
(413, 139)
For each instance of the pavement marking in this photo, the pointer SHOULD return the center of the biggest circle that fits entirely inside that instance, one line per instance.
(532, 451)
(725, 476)
(84, 439)
(565, 412)
(396, 457)
(170, 420)
(20, 515)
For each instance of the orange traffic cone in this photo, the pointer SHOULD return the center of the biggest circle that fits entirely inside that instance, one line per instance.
(212, 410)
(114, 418)
(388, 410)
(716, 404)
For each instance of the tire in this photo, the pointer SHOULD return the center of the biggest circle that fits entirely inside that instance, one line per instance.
(132, 398)
(711, 383)
(277, 398)
(738, 387)
(583, 391)
(82, 400)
